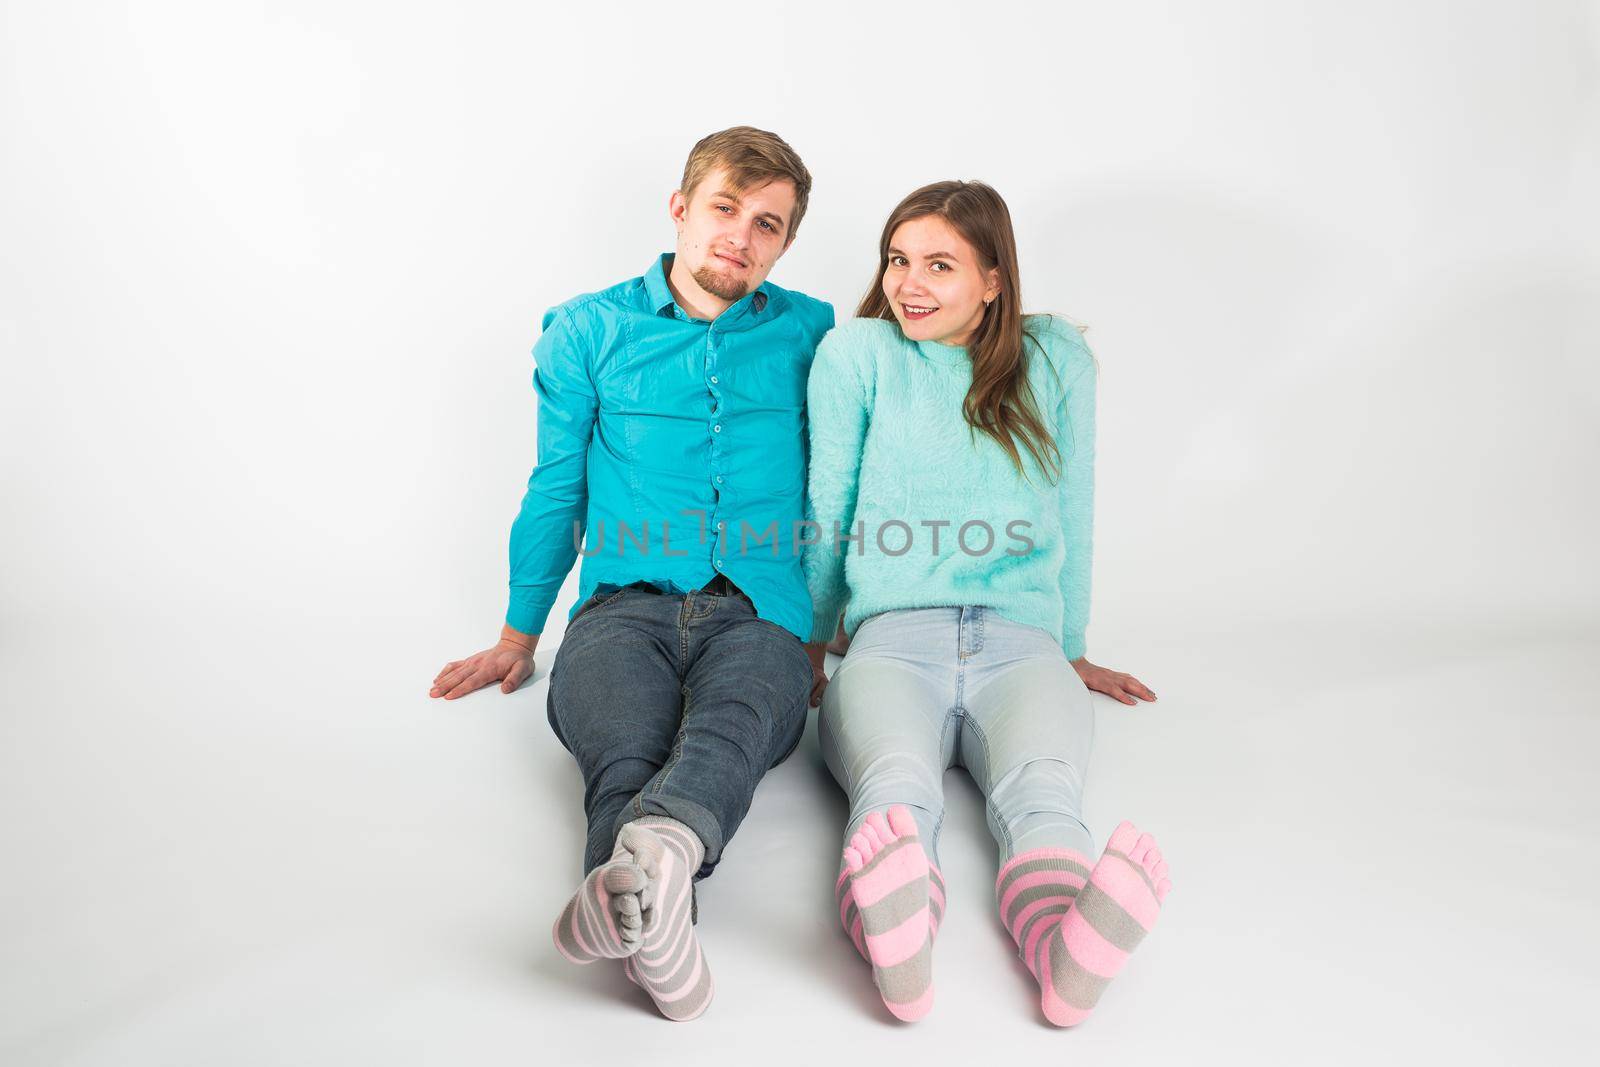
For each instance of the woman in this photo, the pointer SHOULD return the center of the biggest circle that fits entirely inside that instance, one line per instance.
(951, 481)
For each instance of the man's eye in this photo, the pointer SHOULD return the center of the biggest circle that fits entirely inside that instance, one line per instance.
(724, 207)
(765, 225)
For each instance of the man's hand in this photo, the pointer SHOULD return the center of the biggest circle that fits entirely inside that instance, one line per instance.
(1125, 687)
(510, 663)
(818, 655)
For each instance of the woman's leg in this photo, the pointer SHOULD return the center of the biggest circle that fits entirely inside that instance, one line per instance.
(1026, 741)
(886, 730)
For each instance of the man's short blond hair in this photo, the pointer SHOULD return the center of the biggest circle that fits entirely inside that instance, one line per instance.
(752, 158)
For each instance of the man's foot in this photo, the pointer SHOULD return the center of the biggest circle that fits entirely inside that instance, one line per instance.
(669, 964)
(603, 920)
(888, 874)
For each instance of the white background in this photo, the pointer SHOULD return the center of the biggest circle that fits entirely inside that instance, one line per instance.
(271, 275)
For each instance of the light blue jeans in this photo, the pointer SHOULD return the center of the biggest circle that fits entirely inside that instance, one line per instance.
(927, 689)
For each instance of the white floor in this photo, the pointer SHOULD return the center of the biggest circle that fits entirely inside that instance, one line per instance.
(1383, 846)
(271, 276)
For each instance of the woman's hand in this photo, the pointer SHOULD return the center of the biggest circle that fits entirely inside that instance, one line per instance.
(840, 643)
(1125, 687)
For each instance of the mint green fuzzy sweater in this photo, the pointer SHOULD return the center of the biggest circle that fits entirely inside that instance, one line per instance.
(894, 463)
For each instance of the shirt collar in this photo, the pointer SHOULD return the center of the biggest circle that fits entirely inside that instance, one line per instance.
(655, 285)
(662, 301)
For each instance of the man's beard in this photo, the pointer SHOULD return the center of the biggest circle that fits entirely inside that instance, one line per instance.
(720, 285)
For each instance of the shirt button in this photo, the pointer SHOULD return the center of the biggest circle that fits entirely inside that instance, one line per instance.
(719, 563)
(713, 379)
(719, 479)
(722, 525)
(717, 428)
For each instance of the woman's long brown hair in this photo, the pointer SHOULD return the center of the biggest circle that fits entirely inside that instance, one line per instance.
(999, 402)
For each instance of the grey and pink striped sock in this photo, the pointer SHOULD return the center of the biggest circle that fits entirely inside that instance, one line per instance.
(888, 909)
(1075, 927)
(603, 919)
(850, 915)
(669, 964)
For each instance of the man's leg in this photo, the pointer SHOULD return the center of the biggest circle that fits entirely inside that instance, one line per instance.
(745, 695)
(615, 703)
(744, 709)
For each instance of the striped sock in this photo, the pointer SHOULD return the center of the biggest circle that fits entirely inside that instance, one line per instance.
(1075, 928)
(889, 890)
(603, 920)
(669, 964)
(850, 915)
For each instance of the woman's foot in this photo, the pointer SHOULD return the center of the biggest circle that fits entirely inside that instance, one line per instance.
(888, 876)
(1076, 957)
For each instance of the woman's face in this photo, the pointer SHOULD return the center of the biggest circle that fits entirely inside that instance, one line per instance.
(934, 282)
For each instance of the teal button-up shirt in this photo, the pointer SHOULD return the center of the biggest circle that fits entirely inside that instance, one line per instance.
(674, 447)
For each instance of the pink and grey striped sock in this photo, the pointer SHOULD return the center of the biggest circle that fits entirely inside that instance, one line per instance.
(1074, 927)
(850, 915)
(603, 919)
(888, 910)
(669, 964)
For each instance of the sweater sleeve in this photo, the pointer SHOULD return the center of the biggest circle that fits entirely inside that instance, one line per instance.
(1076, 439)
(837, 404)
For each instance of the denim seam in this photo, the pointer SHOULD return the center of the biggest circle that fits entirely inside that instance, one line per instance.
(805, 705)
(711, 603)
(938, 824)
(1007, 842)
(665, 774)
(584, 613)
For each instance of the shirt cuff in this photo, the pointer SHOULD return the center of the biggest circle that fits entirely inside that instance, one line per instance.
(526, 618)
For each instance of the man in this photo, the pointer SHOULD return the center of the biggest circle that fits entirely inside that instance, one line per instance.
(672, 434)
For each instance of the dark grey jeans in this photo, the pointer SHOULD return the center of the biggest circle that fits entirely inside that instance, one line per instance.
(675, 706)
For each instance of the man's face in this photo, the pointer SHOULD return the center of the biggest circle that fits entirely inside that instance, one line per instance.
(729, 239)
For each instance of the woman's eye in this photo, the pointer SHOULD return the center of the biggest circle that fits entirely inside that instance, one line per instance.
(897, 261)
(940, 267)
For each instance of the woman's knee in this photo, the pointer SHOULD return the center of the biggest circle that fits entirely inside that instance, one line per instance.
(1038, 785)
